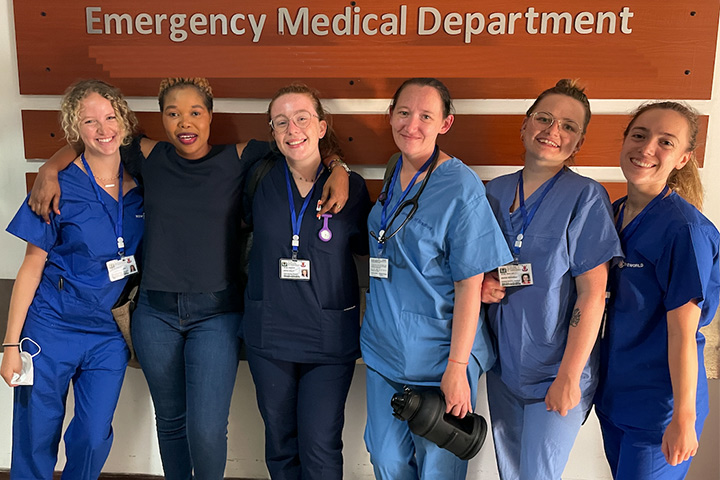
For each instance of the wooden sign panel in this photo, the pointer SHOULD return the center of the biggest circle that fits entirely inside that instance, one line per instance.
(482, 49)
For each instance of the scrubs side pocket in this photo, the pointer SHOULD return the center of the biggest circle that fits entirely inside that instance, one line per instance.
(341, 332)
(426, 347)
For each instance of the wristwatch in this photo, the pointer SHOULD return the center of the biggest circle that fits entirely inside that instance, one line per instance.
(340, 163)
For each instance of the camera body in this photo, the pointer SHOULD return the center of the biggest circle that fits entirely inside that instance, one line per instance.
(424, 411)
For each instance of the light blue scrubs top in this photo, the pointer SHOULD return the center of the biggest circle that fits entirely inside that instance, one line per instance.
(671, 258)
(406, 331)
(572, 232)
(75, 292)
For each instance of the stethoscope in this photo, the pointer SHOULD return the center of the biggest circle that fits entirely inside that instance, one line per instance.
(413, 202)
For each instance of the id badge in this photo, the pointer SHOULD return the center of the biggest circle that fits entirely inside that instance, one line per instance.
(515, 275)
(379, 267)
(121, 268)
(294, 269)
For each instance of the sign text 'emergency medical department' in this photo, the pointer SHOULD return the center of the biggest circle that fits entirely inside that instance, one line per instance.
(354, 21)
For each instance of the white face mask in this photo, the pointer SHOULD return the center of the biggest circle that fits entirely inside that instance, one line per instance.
(26, 376)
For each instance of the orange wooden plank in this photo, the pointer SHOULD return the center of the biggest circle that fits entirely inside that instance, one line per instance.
(366, 139)
(665, 52)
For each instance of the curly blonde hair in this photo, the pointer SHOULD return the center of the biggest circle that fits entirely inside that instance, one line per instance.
(199, 83)
(686, 181)
(72, 103)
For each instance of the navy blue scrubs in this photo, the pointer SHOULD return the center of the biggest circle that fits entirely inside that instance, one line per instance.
(671, 258)
(71, 321)
(302, 336)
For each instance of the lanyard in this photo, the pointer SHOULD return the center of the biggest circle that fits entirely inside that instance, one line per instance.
(295, 220)
(633, 225)
(528, 216)
(394, 212)
(119, 224)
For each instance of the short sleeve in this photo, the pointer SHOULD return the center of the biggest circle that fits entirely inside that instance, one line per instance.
(687, 265)
(133, 158)
(254, 151)
(359, 205)
(592, 238)
(476, 244)
(30, 227)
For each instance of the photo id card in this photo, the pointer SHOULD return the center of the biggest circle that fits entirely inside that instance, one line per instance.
(294, 269)
(379, 267)
(121, 268)
(515, 275)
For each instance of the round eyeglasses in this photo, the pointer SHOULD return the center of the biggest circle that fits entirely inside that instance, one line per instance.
(546, 120)
(301, 120)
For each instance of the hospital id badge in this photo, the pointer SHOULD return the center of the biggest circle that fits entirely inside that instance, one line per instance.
(515, 275)
(379, 267)
(294, 269)
(121, 268)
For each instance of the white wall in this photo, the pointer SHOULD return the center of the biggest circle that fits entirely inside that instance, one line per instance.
(135, 447)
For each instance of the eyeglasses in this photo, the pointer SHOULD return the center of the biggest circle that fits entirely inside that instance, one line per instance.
(301, 119)
(546, 120)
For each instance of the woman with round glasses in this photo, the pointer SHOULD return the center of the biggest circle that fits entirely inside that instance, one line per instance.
(302, 311)
(433, 237)
(547, 305)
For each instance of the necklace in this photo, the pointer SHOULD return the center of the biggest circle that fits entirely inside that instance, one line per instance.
(110, 179)
(302, 179)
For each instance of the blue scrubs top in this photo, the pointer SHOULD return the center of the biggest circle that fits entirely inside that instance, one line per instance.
(406, 331)
(671, 258)
(75, 292)
(315, 321)
(572, 232)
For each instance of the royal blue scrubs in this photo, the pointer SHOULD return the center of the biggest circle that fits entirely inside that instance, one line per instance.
(406, 331)
(302, 336)
(571, 233)
(671, 258)
(71, 321)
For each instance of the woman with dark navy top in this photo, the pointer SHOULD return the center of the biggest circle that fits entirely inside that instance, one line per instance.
(302, 314)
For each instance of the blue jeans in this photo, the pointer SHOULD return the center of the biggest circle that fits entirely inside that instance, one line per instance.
(188, 347)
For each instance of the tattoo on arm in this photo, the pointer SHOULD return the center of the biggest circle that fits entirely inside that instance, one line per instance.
(575, 319)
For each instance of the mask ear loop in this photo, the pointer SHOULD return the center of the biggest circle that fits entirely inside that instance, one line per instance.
(34, 343)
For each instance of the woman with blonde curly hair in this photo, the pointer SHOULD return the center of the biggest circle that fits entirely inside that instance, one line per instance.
(185, 328)
(74, 270)
(652, 399)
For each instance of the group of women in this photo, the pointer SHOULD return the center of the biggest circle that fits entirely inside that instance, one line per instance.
(539, 247)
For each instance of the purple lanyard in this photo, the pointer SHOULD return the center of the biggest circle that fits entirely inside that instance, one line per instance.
(119, 224)
(295, 220)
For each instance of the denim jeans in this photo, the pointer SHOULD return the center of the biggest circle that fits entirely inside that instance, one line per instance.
(188, 347)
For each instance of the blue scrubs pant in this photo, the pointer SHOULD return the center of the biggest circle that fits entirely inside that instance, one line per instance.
(530, 442)
(303, 407)
(95, 364)
(189, 352)
(395, 452)
(636, 454)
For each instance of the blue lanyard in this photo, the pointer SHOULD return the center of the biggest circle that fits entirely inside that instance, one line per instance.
(633, 225)
(295, 220)
(528, 216)
(119, 224)
(389, 194)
